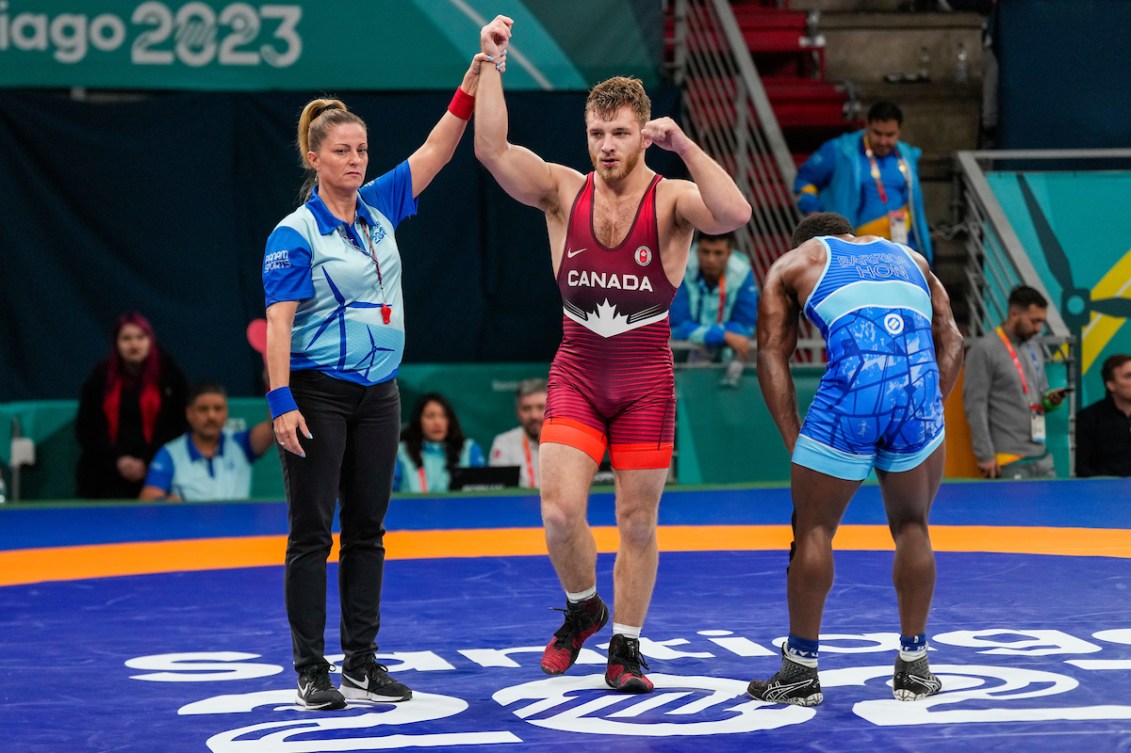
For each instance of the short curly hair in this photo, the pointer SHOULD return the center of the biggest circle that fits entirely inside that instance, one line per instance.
(607, 97)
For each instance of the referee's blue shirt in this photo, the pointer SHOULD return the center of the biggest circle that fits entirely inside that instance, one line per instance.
(331, 268)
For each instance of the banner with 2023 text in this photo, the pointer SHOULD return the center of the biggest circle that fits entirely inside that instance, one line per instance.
(316, 44)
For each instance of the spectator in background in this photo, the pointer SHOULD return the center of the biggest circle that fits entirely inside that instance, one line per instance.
(1006, 393)
(716, 307)
(872, 178)
(519, 446)
(209, 462)
(1103, 429)
(431, 446)
(131, 404)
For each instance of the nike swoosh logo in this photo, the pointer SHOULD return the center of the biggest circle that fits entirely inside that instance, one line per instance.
(571, 254)
(363, 683)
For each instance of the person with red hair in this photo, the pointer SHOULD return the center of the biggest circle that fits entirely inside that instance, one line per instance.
(132, 403)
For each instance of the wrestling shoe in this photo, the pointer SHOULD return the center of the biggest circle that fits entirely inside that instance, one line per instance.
(913, 680)
(581, 621)
(625, 661)
(371, 682)
(316, 692)
(793, 684)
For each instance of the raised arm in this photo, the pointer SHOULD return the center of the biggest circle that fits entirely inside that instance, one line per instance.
(777, 328)
(524, 175)
(713, 204)
(944, 330)
(427, 161)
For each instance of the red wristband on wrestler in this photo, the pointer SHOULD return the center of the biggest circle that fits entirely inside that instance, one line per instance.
(462, 105)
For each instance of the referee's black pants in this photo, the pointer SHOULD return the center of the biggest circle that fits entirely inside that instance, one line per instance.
(351, 459)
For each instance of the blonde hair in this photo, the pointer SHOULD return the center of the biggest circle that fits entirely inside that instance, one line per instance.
(609, 96)
(315, 121)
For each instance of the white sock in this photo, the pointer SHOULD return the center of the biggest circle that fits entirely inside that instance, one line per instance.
(628, 631)
(912, 655)
(580, 596)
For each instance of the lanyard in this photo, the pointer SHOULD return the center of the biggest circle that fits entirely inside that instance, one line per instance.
(876, 172)
(423, 480)
(529, 461)
(722, 300)
(386, 309)
(1017, 364)
(722, 296)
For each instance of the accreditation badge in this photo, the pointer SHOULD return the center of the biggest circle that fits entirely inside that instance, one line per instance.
(1037, 426)
(900, 226)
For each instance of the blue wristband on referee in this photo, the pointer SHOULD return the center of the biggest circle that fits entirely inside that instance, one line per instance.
(280, 401)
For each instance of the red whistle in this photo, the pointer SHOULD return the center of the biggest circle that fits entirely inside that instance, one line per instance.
(386, 313)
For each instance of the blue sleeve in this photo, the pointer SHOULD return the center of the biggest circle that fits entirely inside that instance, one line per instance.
(744, 315)
(712, 335)
(243, 439)
(475, 456)
(813, 176)
(161, 471)
(391, 194)
(679, 315)
(686, 328)
(286, 267)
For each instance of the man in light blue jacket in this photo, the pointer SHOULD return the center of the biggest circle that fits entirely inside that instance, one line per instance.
(716, 306)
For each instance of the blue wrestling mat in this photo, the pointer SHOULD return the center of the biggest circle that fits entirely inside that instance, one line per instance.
(1030, 631)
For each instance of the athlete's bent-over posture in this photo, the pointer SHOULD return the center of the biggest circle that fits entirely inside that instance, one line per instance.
(619, 239)
(893, 353)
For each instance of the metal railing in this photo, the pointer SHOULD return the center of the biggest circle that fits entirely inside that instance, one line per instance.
(997, 261)
(727, 112)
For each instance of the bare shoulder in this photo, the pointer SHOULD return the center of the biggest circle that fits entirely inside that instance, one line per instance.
(921, 262)
(669, 191)
(810, 255)
(568, 182)
(797, 270)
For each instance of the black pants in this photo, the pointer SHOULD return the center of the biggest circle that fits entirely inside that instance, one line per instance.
(351, 460)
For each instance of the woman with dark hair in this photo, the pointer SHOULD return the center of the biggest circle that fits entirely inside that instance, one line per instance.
(132, 403)
(431, 446)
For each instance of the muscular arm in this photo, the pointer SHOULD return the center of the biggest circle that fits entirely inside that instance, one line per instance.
(713, 203)
(777, 329)
(524, 175)
(944, 330)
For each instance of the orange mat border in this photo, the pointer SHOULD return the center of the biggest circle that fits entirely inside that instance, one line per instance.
(26, 566)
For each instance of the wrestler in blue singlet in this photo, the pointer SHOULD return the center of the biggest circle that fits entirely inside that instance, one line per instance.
(879, 401)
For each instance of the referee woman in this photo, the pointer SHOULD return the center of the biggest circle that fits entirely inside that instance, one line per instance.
(335, 335)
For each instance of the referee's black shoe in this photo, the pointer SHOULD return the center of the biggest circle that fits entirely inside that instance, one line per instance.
(316, 692)
(371, 682)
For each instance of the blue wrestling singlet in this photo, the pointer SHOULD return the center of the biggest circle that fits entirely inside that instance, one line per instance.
(879, 401)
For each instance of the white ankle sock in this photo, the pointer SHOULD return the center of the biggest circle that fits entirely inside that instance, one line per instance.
(581, 596)
(628, 631)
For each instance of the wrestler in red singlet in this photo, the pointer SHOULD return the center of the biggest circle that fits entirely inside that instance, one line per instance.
(612, 379)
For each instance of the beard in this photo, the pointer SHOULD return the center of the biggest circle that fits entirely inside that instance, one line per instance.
(621, 170)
